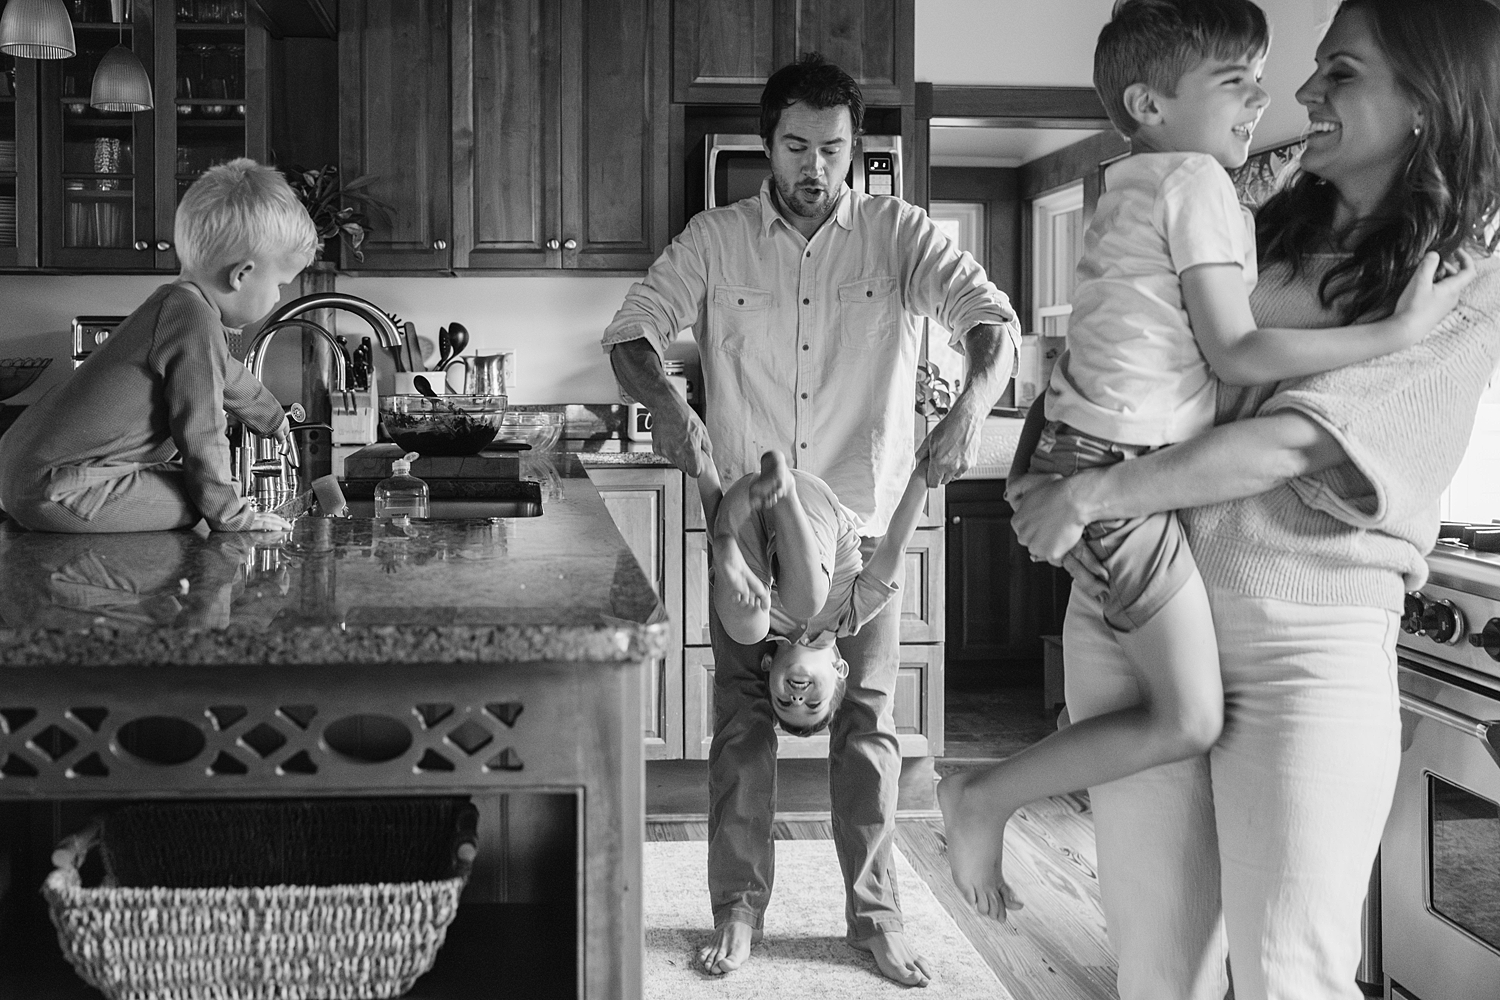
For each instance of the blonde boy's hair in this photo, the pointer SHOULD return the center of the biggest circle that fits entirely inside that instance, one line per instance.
(237, 211)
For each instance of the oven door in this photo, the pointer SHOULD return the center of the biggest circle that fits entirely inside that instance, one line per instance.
(1440, 857)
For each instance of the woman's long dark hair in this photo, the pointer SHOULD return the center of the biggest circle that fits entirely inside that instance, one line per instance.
(1446, 56)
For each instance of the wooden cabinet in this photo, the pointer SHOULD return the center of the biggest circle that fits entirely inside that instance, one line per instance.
(395, 125)
(998, 602)
(646, 504)
(725, 49)
(109, 182)
(532, 135)
(919, 684)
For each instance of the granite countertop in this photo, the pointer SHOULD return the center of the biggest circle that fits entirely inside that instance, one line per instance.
(563, 586)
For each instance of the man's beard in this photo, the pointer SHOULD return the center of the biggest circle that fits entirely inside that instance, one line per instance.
(796, 200)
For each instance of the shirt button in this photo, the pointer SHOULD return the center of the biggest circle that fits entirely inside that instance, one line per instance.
(806, 348)
(804, 444)
(806, 301)
(804, 395)
(809, 253)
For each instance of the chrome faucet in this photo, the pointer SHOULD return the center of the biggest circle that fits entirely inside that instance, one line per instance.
(264, 473)
(384, 327)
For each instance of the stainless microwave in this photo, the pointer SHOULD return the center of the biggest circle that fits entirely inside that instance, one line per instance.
(734, 165)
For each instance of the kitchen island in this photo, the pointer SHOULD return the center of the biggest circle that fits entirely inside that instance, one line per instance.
(491, 657)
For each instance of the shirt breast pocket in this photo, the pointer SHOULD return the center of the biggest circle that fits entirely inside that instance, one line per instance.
(742, 317)
(869, 313)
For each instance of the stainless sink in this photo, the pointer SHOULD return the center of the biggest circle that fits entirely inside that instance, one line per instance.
(486, 498)
(457, 510)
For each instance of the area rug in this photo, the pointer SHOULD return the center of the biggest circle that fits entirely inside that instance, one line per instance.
(803, 953)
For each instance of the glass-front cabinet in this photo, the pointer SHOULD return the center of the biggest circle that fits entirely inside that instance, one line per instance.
(17, 170)
(111, 180)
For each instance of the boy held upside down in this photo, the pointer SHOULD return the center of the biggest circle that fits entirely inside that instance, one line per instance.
(787, 567)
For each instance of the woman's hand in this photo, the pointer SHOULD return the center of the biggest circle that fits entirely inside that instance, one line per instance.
(1047, 520)
(1088, 573)
(1432, 293)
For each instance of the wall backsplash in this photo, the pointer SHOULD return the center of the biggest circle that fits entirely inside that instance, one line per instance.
(552, 323)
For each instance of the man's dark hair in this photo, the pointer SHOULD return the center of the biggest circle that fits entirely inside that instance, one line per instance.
(814, 81)
(1156, 41)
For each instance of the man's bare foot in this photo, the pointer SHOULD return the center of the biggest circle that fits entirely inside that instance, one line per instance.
(975, 832)
(733, 576)
(895, 958)
(773, 483)
(729, 948)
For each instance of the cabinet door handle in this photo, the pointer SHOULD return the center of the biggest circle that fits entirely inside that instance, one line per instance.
(163, 245)
(142, 245)
(439, 244)
(553, 244)
(570, 245)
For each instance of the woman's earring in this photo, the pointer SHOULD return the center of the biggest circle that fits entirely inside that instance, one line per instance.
(1416, 130)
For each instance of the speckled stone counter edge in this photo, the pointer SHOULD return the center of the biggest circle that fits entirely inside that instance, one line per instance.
(313, 646)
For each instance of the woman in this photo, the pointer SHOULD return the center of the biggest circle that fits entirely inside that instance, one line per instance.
(1313, 516)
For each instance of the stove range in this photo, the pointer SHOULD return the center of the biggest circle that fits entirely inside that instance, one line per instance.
(1436, 896)
(1455, 617)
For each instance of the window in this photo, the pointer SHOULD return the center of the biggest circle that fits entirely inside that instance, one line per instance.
(1057, 243)
(964, 223)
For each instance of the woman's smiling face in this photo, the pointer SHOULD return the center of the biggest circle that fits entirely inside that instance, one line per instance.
(1360, 119)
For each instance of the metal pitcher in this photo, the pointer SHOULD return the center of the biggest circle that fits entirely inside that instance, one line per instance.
(489, 374)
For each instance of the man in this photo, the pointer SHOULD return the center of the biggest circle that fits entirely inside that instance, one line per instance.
(804, 302)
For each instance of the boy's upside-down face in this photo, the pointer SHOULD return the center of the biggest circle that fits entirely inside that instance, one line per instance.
(802, 682)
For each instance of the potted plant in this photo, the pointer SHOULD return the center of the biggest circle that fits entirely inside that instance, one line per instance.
(338, 208)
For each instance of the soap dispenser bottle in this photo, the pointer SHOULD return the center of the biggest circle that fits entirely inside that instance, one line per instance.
(403, 494)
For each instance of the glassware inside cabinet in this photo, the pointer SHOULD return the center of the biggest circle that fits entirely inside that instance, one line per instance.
(210, 116)
(98, 157)
(7, 152)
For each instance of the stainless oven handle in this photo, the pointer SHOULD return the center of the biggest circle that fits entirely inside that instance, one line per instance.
(1487, 733)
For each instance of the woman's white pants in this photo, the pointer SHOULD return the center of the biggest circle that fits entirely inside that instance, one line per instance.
(1262, 849)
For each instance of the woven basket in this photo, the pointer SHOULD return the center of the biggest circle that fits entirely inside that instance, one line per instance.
(268, 900)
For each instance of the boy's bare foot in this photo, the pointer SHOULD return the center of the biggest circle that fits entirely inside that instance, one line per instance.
(895, 957)
(729, 948)
(773, 483)
(975, 832)
(733, 576)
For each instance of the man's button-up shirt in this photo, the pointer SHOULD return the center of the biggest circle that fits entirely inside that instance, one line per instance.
(810, 346)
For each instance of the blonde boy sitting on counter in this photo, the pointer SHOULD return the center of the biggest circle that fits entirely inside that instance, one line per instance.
(135, 439)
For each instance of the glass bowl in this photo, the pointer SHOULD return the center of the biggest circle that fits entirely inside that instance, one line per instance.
(442, 425)
(539, 428)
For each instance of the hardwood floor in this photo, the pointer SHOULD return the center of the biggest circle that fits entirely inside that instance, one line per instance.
(1053, 949)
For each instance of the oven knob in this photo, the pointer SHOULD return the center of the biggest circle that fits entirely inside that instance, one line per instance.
(1411, 618)
(1442, 622)
(1488, 638)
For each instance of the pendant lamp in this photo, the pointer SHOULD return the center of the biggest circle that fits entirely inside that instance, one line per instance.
(37, 29)
(120, 82)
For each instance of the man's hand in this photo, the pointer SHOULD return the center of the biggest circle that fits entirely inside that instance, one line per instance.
(678, 433)
(952, 447)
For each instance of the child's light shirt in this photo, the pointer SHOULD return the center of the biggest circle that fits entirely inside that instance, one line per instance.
(1133, 372)
(853, 597)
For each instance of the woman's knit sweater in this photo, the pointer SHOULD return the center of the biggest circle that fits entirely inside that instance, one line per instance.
(1356, 534)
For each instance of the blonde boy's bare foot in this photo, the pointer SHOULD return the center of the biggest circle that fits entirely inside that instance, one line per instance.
(729, 948)
(737, 580)
(975, 832)
(895, 958)
(773, 483)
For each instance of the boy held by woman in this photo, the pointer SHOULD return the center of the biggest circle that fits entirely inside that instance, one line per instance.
(1160, 315)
